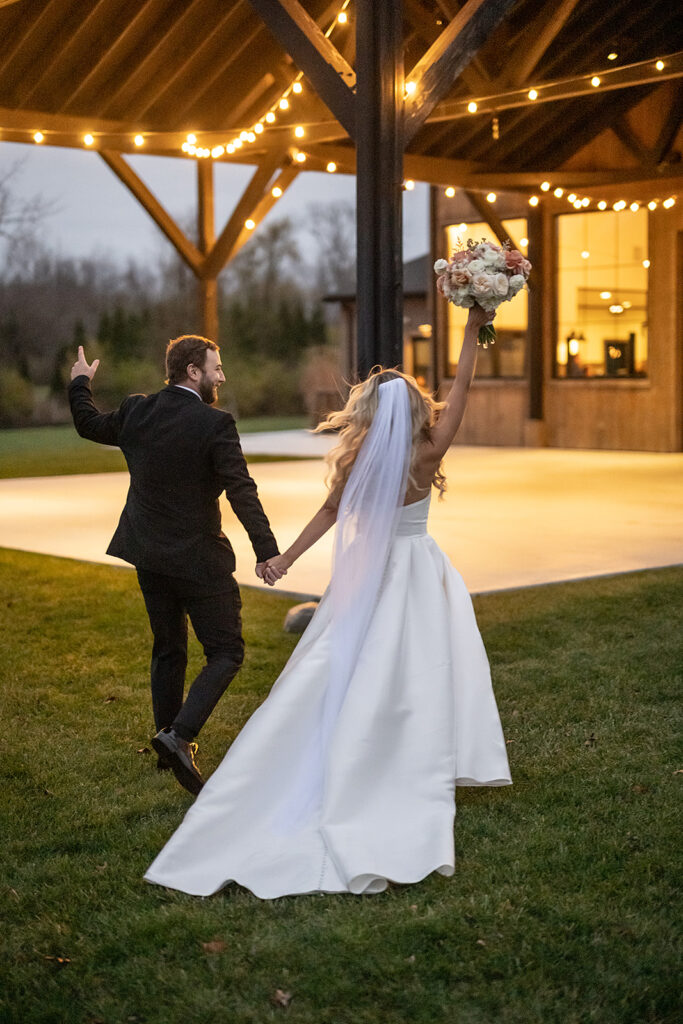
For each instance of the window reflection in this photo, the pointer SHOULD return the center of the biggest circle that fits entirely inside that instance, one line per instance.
(602, 295)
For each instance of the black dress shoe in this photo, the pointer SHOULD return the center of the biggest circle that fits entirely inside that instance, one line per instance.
(163, 765)
(179, 755)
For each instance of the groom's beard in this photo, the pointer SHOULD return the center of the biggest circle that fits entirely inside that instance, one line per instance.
(208, 392)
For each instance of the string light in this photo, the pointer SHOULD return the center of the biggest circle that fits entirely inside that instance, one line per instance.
(270, 117)
(139, 140)
(276, 191)
(612, 55)
(585, 254)
(192, 139)
(524, 242)
(660, 65)
(595, 81)
(532, 94)
(38, 137)
(409, 184)
(331, 167)
(545, 186)
(297, 88)
(652, 205)
(472, 107)
(299, 132)
(491, 197)
(646, 264)
(342, 17)
(571, 198)
(602, 205)
(258, 128)
(250, 224)
(410, 88)
(533, 200)
(634, 207)
(450, 191)
(88, 139)
(558, 193)
(284, 103)
(300, 157)
(620, 205)
(668, 203)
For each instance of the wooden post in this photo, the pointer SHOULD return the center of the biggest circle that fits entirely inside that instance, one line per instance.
(379, 183)
(535, 316)
(208, 286)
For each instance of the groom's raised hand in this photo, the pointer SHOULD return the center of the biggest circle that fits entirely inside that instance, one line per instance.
(81, 368)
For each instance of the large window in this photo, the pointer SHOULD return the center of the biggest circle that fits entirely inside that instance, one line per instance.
(507, 358)
(602, 295)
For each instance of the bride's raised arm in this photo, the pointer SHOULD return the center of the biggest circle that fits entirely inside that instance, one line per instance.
(450, 418)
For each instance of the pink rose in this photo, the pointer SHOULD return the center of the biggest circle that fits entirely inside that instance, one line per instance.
(440, 281)
(460, 278)
(525, 268)
(460, 256)
(513, 259)
(482, 285)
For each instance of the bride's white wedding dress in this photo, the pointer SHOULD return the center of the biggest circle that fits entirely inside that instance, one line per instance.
(419, 718)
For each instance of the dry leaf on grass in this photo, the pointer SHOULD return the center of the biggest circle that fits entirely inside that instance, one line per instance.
(108, 700)
(215, 946)
(144, 750)
(280, 998)
(61, 961)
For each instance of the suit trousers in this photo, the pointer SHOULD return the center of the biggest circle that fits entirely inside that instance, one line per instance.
(215, 613)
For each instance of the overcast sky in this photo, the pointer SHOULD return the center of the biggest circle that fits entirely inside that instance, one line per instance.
(95, 213)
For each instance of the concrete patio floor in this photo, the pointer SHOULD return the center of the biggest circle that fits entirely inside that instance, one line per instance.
(511, 517)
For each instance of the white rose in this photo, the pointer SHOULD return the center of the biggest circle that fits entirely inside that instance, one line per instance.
(500, 285)
(516, 283)
(440, 266)
(482, 286)
(476, 266)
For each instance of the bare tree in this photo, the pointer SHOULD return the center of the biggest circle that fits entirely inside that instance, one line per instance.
(333, 229)
(20, 219)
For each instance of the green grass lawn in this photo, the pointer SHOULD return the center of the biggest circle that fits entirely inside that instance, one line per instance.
(562, 907)
(53, 451)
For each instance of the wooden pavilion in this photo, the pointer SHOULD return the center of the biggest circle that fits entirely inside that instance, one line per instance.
(505, 107)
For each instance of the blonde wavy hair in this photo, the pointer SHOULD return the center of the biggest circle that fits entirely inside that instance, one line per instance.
(353, 422)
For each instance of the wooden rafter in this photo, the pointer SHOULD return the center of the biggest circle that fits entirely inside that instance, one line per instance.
(297, 32)
(428, 30)
(622, 129)
(445, 59)
(537, 37)
(226, 241)
(670, 129)
(125, 173)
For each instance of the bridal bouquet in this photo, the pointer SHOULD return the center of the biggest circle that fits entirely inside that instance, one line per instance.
(485, 274)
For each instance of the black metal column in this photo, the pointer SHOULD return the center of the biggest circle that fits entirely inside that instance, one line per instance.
(379, 182)
(535, 315)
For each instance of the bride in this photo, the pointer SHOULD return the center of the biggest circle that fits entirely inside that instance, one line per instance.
(344, 779)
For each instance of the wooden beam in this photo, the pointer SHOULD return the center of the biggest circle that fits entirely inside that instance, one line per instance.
(622, 129)
(425, 25)
(225, 244)
(537, 37)
(125, 173)
(287, 175)
(435, 73)
(670, 129)
(640, 73)
(296, 31)
(489, 215)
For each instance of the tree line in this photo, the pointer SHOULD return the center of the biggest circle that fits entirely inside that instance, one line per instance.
(276, 343)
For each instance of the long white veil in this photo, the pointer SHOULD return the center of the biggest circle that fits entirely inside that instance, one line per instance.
(366, 523)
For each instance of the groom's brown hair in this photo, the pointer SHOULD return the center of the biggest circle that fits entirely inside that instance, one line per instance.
(180, 352)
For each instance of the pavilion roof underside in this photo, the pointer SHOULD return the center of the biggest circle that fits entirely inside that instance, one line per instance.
(168, 67)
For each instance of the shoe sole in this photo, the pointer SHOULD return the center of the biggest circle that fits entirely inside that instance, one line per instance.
(187, 779)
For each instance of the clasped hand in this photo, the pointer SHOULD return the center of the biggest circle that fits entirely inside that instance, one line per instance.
(272, 570)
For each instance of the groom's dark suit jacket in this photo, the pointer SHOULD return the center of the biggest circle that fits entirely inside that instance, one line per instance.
(181, 454)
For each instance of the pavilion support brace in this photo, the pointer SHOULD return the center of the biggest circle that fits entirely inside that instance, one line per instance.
(379, 183)
(206, 235)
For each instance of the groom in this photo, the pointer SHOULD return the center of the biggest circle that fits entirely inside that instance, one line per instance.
(181, 454)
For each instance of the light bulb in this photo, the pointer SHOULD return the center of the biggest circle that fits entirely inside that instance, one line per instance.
(230, 148)
(524, 242)
(472, 107)
(342, 17)
(300, 157)
(558, 193)
(491, 197)
(409, 184)
(217, 151)
(602, 205)
(634, 207)
(660, 65)
(668, 203)
(450, 191)
(410, 88)
(585, 254)
(88, 139)
(258, 128)
(595, 81)
(652, 205)
(297, 88)
(139, 140)
(276, 191)
(612, 55)
(585, 201)
(251, 137)
(545, 186)
(571, 198)
(250, 224)
(284, 103)
(619, 205)
(605, 295)
(646, 264)
(577, 204)
(192, 139)
(270, 117)
(331, 167)
(533, 200)
(38, 137)
(299, 132)
(532, 94)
